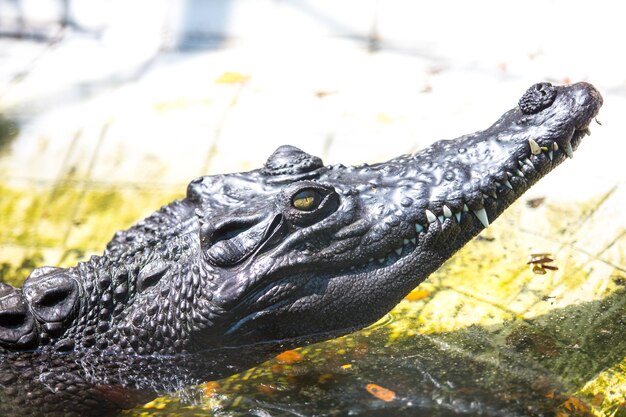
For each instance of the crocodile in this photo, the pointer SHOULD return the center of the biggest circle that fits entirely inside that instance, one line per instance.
(250, 264)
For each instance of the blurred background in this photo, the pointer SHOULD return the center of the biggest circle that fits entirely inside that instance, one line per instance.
(108, 108)
(143, 95)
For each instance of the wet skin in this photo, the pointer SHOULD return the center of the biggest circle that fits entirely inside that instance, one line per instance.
(250, 264)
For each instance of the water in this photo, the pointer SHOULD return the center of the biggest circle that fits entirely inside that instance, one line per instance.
(516, 368)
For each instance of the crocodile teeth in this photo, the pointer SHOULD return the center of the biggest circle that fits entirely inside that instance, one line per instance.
(370, 260)
(555, 146)
(481, 214)
(529, 163)
(441, 218)
(535, 149)
(551, 155)
(418, 228)
(413, 241)
(398, 251)
(519, 173)
(508, 184)
(568, 150)
(446, 211)
(405, 242)
(430, 216)
(458, 217)
(465, 208)
(381, 260)
(493, 194)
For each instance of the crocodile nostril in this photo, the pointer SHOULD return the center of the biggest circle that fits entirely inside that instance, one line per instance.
(52, 294)
(12, 319)
(17, 327)
(537, 98)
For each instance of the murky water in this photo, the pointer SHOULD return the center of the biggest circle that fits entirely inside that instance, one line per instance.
(516, 368)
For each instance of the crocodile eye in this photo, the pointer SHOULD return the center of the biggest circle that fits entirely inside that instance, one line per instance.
(305, 200)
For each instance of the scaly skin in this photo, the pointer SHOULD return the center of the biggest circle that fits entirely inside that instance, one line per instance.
(253, 263)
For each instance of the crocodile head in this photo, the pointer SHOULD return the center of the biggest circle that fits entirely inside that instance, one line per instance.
(300, 248)
(295, 251)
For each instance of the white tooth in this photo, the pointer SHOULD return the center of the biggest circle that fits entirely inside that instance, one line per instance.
(381, 260)
(418, 228)
(458, 217)
(465, 208)
(481, 214)
(430, 216)
(527, 162)
(352, 268)
(534, 147)
(441, 219)
(446, 211)
(509, 174)
(508, 184)
(493, 195)
(519, 173)
(412, 240)
(555, 146)
(484, 195)
(568, 150)
(370, 260)
(405, 242)
(551, 155)
(398, 251)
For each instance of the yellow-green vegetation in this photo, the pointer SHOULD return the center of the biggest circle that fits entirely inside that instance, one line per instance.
(66, 223)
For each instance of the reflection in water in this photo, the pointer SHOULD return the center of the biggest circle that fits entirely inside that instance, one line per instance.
(518, 368)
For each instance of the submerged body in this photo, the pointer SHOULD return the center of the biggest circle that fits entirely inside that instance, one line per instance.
(253, 263)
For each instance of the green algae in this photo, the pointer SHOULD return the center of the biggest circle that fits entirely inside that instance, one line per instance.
(66, 223)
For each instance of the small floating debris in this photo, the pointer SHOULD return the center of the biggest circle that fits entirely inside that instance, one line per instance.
(539, 263)
(381, 393)
(417, 294)
(210, 388)
(535, 202)
(289, 357)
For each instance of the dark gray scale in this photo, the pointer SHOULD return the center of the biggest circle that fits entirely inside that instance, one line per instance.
(151, 274)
